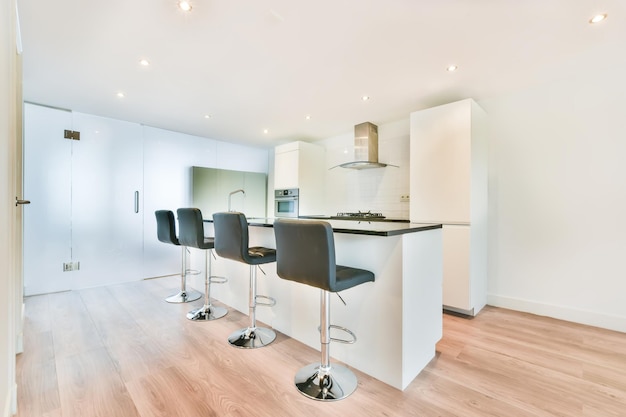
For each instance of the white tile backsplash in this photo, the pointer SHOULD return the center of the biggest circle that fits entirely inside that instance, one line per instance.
(377, 189)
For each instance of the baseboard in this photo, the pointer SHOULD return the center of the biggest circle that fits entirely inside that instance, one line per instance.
(13, 409)
(462, 312)
(7, 405)
(10, 402)
(591, 318)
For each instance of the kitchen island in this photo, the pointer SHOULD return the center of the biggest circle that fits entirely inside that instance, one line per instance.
(397, 318)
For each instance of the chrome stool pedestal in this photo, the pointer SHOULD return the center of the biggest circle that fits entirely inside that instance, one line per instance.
(184, 295)
(166, 233)
(192, 235)
(232, 242)
(325, 384)
(252, 336)
(323, 381)
(208, 311)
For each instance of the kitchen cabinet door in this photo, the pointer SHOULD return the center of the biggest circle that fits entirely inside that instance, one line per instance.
(441, 164)
(456, 268)
(286, 169)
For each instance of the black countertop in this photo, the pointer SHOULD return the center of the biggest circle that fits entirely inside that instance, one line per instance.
(374, 228)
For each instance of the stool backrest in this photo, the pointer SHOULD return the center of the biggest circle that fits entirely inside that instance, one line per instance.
(305, 252)
(190, 227)
(231, 236)
(166, 227)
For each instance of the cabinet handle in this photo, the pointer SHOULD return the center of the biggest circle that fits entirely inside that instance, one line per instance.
(136, 202)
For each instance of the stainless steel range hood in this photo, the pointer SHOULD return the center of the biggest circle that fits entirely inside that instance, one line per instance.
(365, 148)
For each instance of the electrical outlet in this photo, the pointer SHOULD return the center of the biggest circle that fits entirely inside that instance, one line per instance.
(404, 198)
(71, 266)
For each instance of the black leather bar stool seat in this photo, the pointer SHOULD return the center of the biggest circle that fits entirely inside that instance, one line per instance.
(192, 234)
(306, 254)
(231, 242)
(166, 233)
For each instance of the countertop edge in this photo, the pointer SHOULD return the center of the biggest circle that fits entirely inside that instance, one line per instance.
(410, 227)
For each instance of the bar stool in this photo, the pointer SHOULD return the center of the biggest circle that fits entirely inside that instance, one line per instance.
(306, 254)
(231, 242)
(166, 233)
(191, 233)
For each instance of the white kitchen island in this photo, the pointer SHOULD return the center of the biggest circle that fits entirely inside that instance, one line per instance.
(397, 319)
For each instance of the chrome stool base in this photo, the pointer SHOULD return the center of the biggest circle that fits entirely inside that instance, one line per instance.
(207, 313)
(184, 297)
(249, 338)
(334, 384)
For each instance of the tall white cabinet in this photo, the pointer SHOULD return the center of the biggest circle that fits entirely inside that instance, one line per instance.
(302, 165)
(448, 185)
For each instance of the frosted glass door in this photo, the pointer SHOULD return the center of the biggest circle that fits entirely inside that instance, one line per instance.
(107, 192)
(47, 183)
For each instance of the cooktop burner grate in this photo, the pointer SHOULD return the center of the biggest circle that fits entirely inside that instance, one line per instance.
(360, 215)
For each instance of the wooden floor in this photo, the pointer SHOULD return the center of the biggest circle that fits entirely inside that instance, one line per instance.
(123, 351)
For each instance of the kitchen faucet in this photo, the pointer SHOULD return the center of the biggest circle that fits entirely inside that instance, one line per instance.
(235, 192)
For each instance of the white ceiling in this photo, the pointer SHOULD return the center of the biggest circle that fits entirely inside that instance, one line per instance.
(266, 64)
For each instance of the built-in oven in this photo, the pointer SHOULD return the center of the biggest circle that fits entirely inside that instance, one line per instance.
(286, 202)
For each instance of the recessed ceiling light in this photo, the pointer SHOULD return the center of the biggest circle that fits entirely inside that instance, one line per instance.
(265, 131)
(144, 62)
(365, 98)
(598, 18)
(207, 116)
(121, 95)
(452, 68)
(184, 6)
(307, 117)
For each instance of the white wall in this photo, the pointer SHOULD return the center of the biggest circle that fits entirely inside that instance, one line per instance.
(558, 194)
(378, 189)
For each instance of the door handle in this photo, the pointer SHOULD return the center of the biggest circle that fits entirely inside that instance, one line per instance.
(19, 202)
(136, 202)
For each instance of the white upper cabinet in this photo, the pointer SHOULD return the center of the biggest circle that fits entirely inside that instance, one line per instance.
(286, 167)
(448, 164)
(302, 165)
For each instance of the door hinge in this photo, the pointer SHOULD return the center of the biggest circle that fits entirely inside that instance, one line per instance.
(72, 134)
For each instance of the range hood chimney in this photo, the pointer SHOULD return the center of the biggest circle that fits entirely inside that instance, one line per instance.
(365, 148)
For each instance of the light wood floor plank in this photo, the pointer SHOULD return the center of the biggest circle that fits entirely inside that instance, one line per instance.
(123, 351)
(89, 385)
(39, 393)
(72, 329)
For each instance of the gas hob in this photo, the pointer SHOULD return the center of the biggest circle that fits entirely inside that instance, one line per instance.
(360, 215)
